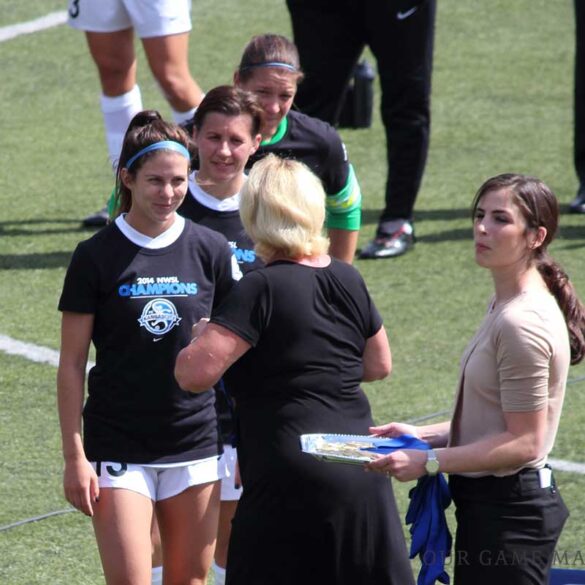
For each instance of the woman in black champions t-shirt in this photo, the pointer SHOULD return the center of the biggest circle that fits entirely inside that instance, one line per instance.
(135, 289)
(226, 131)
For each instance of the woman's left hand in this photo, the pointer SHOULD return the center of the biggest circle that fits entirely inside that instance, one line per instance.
(404, 465)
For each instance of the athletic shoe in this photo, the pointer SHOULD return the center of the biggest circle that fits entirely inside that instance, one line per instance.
(97, 219)
(390, 245)
(578, 204)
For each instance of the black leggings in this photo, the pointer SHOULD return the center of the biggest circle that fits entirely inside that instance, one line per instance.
(331, 35)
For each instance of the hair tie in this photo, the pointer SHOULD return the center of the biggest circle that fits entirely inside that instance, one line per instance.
(277, 64)
(164, 144)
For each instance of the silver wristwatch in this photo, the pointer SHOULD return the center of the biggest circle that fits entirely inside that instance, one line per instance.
(432, 464)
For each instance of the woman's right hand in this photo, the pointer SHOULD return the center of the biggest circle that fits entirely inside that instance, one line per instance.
(80, 484)
(198, 328)
(395, 429)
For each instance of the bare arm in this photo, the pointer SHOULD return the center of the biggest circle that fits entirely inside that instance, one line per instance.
(377, 358)
(521, 442)
(342, 244)
(202, 363)
(79, 482)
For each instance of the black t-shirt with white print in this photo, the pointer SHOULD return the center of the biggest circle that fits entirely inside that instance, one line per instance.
(228, 223)
(145, 302)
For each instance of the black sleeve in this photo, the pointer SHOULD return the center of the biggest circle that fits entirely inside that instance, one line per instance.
(375, 319)
(80, 289)
(363, 307)
(246, 310)
(224, 276)
(336, 164)
(371, 318)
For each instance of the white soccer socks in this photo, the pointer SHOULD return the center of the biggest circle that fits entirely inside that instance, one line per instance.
(117, 112)
(180, 117)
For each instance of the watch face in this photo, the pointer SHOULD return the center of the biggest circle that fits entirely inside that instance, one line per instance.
(432, 465)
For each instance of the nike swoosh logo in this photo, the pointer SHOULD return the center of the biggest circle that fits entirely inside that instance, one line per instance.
(157, 339)
(407, 13)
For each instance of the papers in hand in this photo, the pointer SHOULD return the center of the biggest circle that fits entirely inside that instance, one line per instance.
(355, 449)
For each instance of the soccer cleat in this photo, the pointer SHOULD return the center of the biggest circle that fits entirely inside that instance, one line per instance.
(389, 245)
(578, 204)
(97, 219)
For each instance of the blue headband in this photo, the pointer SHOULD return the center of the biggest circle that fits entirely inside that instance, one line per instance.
(270, 64)
(166, 145)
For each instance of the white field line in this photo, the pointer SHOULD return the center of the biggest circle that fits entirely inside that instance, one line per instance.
(562, 465)
(45, 355)
(32, 26)
(36, 518)
(32, 352)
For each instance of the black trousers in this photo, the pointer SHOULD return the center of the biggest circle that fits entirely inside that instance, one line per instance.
(579, 104)
(331, 35)
(507, 529)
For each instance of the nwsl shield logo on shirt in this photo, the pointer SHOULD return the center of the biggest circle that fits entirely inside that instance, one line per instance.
(159, 316)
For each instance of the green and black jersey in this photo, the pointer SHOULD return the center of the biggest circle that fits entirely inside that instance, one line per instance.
(318, 145)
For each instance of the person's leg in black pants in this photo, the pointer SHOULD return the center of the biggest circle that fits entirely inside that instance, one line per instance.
(331, 35)
(403, 47)
(578, 204)
(507, 529)
(400, 33)
(330, 40)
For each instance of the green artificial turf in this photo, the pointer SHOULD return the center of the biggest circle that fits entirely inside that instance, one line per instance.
(502, 101)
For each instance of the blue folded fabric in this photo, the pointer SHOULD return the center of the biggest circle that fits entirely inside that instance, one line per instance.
(385, 446)
(430, 536)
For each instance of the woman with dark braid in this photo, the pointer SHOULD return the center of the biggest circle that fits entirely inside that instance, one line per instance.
(510, 395)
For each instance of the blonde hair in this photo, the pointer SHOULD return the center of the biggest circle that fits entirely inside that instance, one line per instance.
(282, 207)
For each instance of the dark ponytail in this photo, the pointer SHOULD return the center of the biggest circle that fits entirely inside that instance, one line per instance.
(145, 128)
(562, 289)
(539, 207)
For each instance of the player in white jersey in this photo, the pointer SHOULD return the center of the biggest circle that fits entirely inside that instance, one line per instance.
(163, 27)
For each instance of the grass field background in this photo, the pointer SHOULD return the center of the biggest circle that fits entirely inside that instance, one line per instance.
(502, 101)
